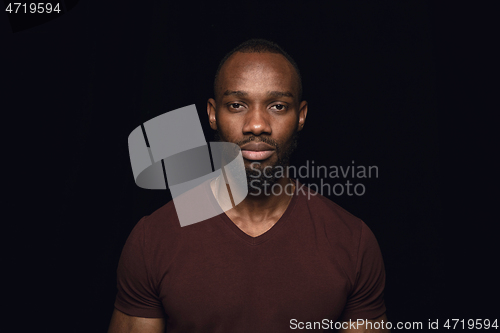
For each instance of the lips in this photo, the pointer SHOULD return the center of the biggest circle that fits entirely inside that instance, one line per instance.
(256, 155)
(257, 151)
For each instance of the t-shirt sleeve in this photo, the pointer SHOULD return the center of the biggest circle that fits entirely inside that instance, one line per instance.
(137, 293)
(366, 300)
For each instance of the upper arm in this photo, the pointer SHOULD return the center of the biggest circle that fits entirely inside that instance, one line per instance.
(136, 283)
(366, 299)
(367, 326)
(123, 323)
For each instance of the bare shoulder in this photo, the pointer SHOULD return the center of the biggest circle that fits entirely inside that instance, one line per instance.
(123, 323)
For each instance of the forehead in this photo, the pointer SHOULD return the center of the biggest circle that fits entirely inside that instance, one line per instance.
(257, 72)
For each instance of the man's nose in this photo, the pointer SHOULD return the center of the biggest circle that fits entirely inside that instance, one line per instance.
(257, 122)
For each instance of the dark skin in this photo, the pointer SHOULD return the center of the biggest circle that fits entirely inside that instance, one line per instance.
(257, 95)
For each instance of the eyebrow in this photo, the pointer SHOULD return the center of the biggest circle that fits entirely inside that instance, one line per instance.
(273, 93)
(280, 93)
(235, 93)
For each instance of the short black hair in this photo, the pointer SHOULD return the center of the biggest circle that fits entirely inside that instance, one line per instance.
(259, 45)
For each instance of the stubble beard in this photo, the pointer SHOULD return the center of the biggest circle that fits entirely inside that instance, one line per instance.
(261, 178)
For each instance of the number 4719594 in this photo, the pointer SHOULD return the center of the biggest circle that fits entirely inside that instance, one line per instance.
(32, 7)
(470, 324)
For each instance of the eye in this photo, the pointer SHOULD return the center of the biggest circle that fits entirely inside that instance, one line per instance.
(279, 107)
(235, 106)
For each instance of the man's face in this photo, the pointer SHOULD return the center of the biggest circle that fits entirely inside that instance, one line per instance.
(257, 108)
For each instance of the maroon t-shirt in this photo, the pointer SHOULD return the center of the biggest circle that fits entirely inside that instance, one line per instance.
(317, 262)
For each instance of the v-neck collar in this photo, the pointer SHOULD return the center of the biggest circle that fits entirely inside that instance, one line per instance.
(269, 233)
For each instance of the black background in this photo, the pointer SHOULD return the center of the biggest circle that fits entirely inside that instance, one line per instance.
(373, 73)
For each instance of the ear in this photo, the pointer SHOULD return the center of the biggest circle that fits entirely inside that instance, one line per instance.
(211, 113)
(302, 115)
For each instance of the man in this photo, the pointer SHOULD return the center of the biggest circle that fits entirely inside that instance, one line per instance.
(278, 261)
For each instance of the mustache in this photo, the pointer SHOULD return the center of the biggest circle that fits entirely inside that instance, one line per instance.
(269, 141)
(251, 138)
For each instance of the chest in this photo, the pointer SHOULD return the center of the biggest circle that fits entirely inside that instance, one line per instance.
(242, 283)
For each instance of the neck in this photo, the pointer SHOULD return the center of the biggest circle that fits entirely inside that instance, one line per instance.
(265, 206)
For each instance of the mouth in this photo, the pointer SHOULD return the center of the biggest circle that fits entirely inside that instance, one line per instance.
(256, 155)
(257, 151)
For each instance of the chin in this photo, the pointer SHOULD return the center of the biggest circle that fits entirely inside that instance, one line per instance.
(262, 163)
